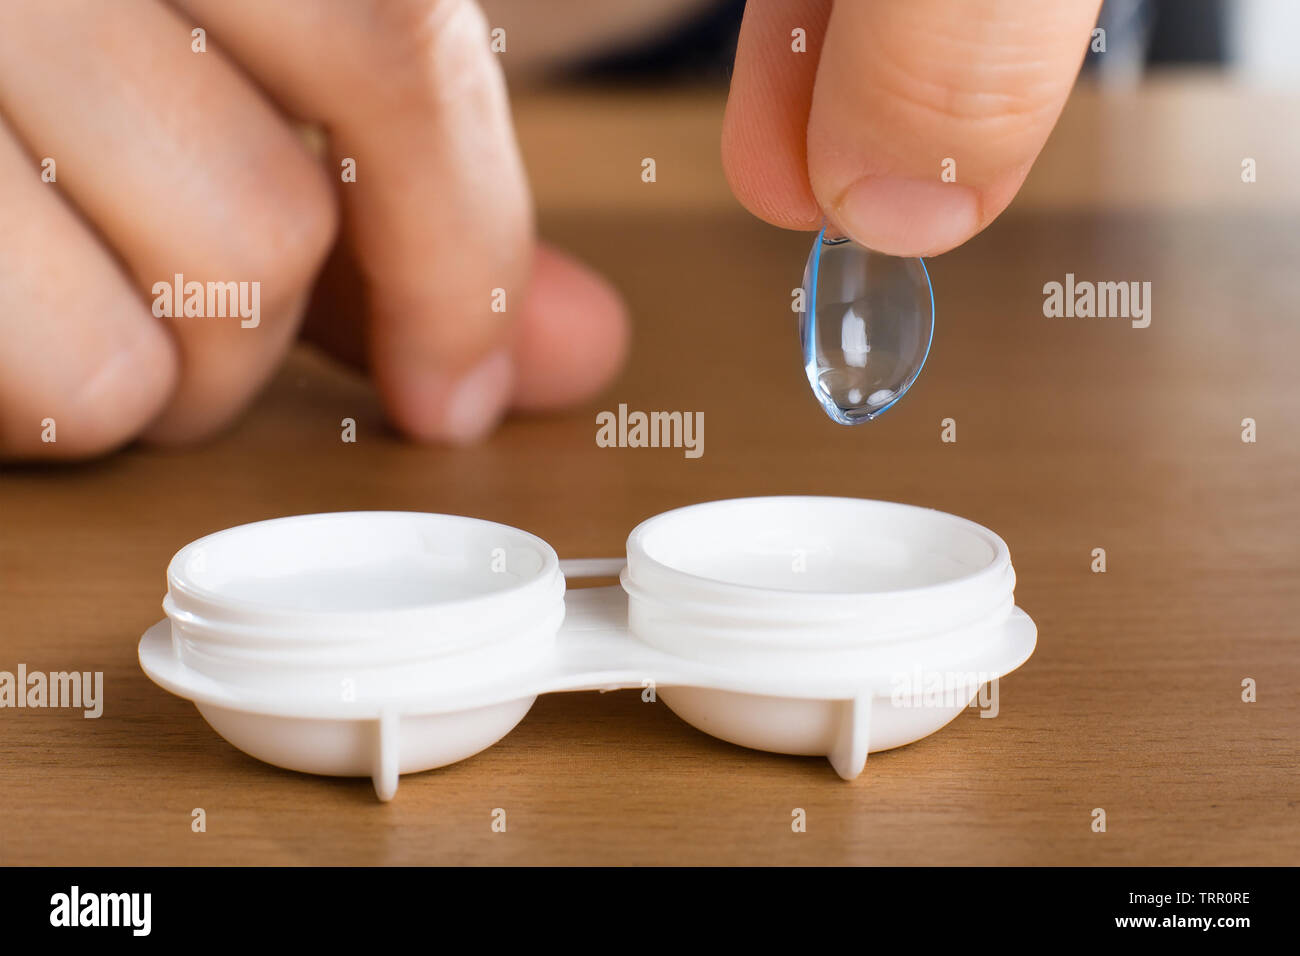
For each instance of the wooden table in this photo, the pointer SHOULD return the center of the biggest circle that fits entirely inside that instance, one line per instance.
(1072, 434)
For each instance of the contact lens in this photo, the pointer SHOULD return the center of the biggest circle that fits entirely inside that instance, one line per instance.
(866, 327)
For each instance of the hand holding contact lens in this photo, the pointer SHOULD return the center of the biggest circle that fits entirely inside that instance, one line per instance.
(866, 328)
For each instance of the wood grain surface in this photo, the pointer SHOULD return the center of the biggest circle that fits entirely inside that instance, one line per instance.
(1072, 434)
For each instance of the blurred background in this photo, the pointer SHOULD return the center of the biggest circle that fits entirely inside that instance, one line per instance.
(1254, 39)
(1162, 120)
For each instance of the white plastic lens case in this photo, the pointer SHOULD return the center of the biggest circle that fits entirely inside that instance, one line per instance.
(381, 643)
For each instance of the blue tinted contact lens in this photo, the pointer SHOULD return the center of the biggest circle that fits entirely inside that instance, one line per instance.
(866, 327)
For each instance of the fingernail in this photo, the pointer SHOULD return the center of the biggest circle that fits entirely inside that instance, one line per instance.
(459, 411)
(908, 217)
(477, 401)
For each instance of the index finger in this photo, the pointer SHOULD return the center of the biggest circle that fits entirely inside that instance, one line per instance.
(439, 214)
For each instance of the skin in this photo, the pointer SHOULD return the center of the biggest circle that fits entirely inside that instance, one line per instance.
(171, 162)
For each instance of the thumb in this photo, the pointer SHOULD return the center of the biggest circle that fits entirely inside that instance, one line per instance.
(926, 116)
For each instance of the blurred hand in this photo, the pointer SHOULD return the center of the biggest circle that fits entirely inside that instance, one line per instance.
(857, 128)
(173, 162)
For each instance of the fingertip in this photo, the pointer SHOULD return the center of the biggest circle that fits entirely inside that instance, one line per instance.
(429, 404)
(100, 413)
(907, 217)
(924, 122)
(771, 185)
(572, 337)
(918, 217)
(570, 340)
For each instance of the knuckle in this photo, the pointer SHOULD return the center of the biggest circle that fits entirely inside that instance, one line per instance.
(287, 221)
(98, 401)
(429, 50)
(418, 26)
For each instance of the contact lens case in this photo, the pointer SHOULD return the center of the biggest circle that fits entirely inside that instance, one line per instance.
(382, 643)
